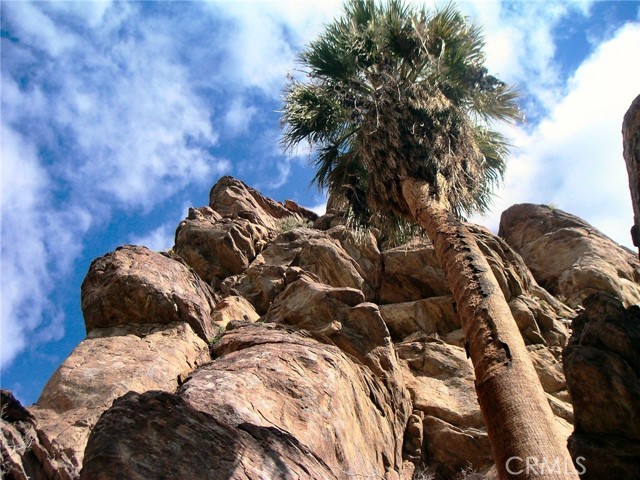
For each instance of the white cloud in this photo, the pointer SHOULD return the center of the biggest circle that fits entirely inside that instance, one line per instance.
(573, 158)
(135, 130)
(262, 45)
(319, 209)
(520, 45)
(36, 245)
(159, 239)
(95, 118)
(238, 117)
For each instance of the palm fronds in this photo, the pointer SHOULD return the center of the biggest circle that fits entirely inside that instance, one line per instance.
(393, 91)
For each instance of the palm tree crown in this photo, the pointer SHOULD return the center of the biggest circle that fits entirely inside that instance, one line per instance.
(394, 91)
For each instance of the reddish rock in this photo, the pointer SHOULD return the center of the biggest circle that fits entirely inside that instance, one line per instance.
(218, 247)
(631, 152)
(602, 368)
(272, 377)
(159, 435)
(134, 285)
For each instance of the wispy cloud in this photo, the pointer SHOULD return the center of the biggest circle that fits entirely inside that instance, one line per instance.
(573, 157)
(98, 115)
(159, 239)
(37, 247)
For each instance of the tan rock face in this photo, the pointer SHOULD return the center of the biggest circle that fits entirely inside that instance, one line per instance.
(312, 413)
(137, 438)
(602, 367)
(332, 359)
(231, 197)
(25, 451)
(217, 248)
(569, 257)
(106, 365)
(233, 308)
(631, 152)
(134, 285)
(411, 272)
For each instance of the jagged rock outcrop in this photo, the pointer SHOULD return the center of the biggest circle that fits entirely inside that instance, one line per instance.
(568, 257)
(631, 153)
(217, 247)
(232, 198)
(602, 366)
(261, 348)
(25, 450)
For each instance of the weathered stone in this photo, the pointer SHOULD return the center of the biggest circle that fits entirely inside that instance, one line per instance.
(320, 390)
(231, 197)
(329, 220)
(104, 366)
(340, 315)
(159, 435)
(440, 379)
(308, 249)
(217, 248)
(631, 153)
(25, 451)
(548, 368)
(414, 437)
(411, 272)
(353, 421)
(569, 257)
(260, 284)
(435, 315)
(233, 308)
(453, 449)
(363, 248)
(602, 368)
(134, 285)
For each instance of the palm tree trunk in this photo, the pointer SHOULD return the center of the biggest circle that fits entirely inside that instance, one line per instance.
(520, 424)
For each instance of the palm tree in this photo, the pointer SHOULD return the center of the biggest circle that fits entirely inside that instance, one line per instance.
(400, 112)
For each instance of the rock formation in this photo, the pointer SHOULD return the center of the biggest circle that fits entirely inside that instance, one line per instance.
(568, 257)
(602, 365)
(270, 343)
(631, 152)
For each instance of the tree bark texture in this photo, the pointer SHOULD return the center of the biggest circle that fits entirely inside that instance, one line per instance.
(631, 148)
(521, 427)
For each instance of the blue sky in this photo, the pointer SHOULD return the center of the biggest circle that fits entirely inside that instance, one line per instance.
(117, 117)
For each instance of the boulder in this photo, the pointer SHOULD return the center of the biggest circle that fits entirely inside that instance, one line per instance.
(631, 153)
(218, 247)
(160, 435)
(274, 378)
(568, 257)
(315, 252)
(259, 285)
(134, 285)
(413, 280)
(435, 315)
(454, 450)
(342, 317)
(107, 364)
(602, 369)
(363, 248)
